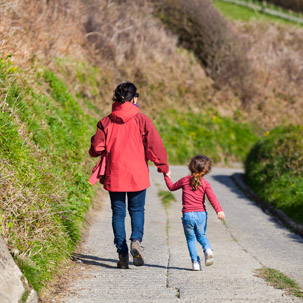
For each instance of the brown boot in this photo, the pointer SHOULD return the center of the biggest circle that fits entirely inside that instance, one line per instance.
(123, 261)
(136, 252)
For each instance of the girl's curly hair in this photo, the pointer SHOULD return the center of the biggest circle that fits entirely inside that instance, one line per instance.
(124, 92)
(199, 165)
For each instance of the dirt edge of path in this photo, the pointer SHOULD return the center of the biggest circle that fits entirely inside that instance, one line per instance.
(70, 270)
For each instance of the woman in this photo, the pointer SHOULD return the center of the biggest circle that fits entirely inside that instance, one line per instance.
(128, 139)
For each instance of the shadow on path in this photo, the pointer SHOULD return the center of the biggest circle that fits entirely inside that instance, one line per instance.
(93, 260)
(97, 261)
(229, 183)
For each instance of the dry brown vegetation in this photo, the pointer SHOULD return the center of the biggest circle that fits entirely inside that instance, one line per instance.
(201, 28)
(126, 42)
(40, 29)
(276, 55)
(123, 40)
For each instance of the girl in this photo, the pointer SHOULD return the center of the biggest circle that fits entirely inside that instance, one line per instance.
(194, 217)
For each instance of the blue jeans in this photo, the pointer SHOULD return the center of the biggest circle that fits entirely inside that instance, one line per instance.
(195, 224)
(136, 203)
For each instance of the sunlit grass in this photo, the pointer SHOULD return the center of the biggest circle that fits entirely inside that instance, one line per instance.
(279, 280)
(236, 12)
(221, 139)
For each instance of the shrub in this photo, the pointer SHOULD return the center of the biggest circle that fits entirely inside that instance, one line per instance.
(274, 169)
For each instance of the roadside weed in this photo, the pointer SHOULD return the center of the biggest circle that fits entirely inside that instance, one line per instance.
(279, 280)
(166, 197)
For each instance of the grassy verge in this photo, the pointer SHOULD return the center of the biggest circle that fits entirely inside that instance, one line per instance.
(279, 280)
(221, 139)
(44, 167)
(166, 197)
(274, 169)
(236, 12)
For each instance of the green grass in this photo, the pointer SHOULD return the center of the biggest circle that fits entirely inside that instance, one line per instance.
(87, 82)
(279, 280)
(236, 12)
(221, 139)
(25, 296)
(166, 197)
(44, 140)
(274, 169)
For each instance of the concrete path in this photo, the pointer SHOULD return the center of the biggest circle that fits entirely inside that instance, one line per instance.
(250, 239)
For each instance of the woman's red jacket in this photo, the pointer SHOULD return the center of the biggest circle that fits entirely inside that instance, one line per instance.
(128, 139)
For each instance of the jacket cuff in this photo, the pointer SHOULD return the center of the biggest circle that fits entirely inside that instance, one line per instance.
(163, 169)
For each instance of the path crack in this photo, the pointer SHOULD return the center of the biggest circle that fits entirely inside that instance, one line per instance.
(241, 246)
(169, 258)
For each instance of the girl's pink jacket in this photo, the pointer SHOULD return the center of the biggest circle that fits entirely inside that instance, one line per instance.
(194, 200)
(129, 139)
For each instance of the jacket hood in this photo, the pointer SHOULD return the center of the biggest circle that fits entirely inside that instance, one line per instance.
(123, 112)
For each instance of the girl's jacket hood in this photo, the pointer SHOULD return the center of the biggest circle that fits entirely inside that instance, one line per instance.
(123, 112)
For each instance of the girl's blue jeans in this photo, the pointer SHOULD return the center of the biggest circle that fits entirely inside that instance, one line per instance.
(195, 224)
(135, 204)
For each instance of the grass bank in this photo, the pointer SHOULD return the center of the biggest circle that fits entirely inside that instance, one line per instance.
(44, 166)
(222, 139)
(274, 169)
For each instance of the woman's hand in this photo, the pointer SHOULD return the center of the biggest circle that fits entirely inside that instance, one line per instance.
(221, 215)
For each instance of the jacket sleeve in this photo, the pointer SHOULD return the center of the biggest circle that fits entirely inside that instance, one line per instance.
(212, 198)
(97, 141)
(173, 186)
(154, 148)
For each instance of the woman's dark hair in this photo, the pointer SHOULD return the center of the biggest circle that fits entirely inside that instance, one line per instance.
(125, 92)
(199, 165)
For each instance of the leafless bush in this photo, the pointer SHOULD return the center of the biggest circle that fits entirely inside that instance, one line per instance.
(126, 32)
(202, 28)
(122, 38)
(137, 45)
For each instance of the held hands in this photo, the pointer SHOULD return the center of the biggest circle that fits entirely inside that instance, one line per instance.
(168, 174)
(221, 215)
